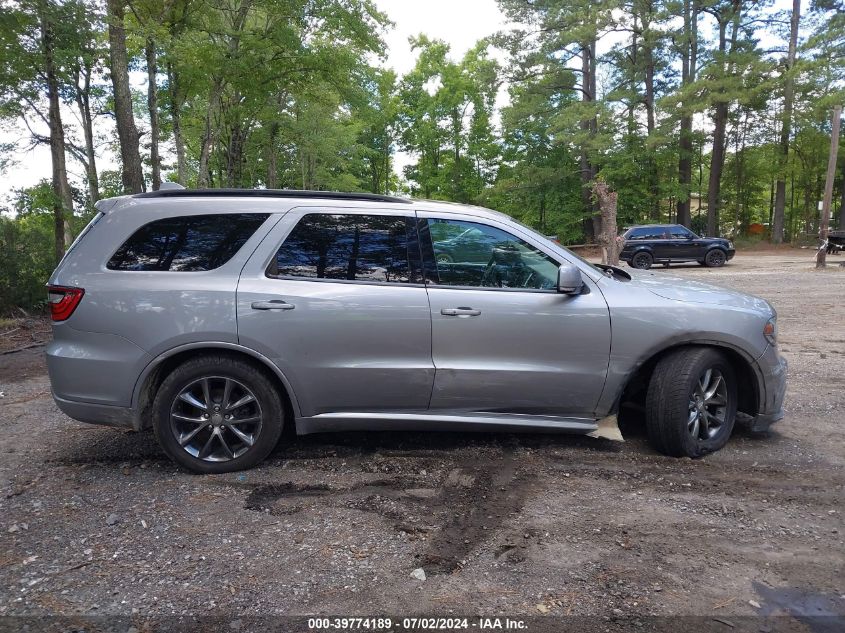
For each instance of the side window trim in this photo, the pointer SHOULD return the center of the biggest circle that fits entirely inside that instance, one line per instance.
(297, 214)
(430, 263)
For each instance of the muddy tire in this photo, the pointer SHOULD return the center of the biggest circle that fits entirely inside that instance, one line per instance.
(217, 414)
(691, 402)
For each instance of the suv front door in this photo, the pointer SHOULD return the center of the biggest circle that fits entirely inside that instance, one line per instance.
(503, 339)
(335, 299)
(685, 243)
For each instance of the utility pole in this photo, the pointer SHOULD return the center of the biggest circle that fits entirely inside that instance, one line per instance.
(821, 256)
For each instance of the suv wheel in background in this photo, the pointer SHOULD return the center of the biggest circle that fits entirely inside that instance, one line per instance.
(715, 258)
(217, 414)
(691, 402)
(642, 260)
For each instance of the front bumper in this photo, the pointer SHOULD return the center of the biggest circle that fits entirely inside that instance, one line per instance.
(773, 370)
(731, 253)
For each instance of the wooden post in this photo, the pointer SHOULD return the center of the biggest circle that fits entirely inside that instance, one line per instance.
(821, 256)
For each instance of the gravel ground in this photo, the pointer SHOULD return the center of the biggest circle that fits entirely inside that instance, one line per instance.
(95, 521)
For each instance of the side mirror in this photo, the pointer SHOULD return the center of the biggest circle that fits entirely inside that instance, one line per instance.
(569, 279)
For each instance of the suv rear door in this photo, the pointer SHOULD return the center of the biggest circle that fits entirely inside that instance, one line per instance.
(503, 339)
(334, 296)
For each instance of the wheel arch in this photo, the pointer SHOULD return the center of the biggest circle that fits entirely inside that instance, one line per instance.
(715, 247)
(155, 372)
(743, 365)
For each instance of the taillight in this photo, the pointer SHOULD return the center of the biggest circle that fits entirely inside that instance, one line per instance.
(63, 301)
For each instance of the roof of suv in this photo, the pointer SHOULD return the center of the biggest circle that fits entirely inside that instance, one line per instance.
(268, 193)
(364, 198)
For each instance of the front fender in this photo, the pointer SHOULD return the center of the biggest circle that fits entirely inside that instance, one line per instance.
(622, 371)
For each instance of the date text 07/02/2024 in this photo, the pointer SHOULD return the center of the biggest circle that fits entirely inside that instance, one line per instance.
(416, 623)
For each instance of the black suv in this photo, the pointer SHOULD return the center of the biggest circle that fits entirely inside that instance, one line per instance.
(666, 243)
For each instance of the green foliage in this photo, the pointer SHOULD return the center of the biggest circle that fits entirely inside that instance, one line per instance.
(446, 121)
(27, 254)
(295, 94)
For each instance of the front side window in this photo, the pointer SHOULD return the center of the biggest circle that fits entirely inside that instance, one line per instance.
(680, 233)
(347, 247)
(471, 254)
(186, 244)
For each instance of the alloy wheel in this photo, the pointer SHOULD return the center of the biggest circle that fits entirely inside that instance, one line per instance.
(708, 405)
(642, 261)
(716, 258)
(215, 418)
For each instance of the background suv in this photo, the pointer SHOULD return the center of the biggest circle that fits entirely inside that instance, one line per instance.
(667, 243)
(216, 317)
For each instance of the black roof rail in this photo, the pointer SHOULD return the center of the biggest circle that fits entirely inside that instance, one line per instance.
(269, 193)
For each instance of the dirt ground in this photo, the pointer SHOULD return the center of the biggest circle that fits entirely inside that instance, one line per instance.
(96, 521)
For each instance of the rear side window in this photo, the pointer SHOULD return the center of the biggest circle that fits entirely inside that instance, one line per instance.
(187, 244)
(647, 233)
(349, 247)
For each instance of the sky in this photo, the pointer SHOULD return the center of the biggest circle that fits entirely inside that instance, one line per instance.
(460, 23)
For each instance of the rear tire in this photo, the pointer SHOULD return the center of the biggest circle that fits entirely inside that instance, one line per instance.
(642, 260)
(228, 436)
(715, 258)
(683, 417)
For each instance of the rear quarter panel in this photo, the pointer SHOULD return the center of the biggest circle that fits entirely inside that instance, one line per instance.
(135, 316)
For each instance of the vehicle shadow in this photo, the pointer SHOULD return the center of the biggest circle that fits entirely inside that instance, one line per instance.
(115, 447)
(420, 442)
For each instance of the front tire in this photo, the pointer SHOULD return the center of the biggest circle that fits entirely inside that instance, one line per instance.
(217, 414)
(715, 258)
(691, 402)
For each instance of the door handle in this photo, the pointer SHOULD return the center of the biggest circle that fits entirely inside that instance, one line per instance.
(275, 304)
(459, 312)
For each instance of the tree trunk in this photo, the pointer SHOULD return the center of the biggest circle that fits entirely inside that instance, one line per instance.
(841, 224)
(132, 174)
(152, 106)
(720, 120)
(689, 61)
(607, 236)
(828, 184)
(589, 126)
(272, 157)
(788, 95)
(208, 135)
(83, 103)
(63, 202)
(648, 54)
(235, 155)
(176, 122)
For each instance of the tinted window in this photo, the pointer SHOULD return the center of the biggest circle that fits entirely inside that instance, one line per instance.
(647, 233)
(470, 254)
(679, 232)
(352, 247)
(190, 243)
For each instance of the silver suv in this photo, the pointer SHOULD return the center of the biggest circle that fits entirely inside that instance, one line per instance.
(218, 316)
